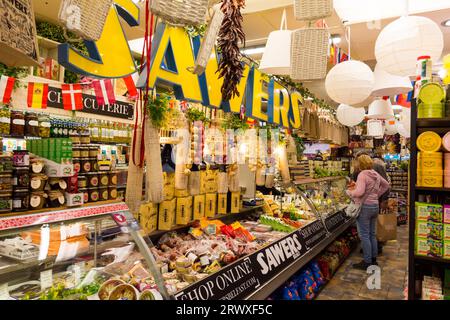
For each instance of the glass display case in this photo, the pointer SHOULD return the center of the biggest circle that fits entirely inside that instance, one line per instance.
(93, 253)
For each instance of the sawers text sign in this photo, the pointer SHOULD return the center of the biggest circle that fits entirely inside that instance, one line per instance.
(122, 110)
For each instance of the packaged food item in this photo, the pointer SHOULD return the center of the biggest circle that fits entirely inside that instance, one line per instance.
(446, 232)
(447, 213)
(84, 151)
(31, 125)
(21, 200)
(6, 164)
(5, 121)
(104, 179)
(76, 165)
(44, 126)
(94, 165)
(86, 165)
(104, 193)
(37, 165)
(5, 202)
(38, 182)
(56, 199)
(94, 194)
(17, 126)
(5, 182)
(38, 200)
(93, 181)
(446, 250)
(436, 231)
(21, 177)
(57, 184)
(82, 182)
(429, 141)
(113, 178)
(112, 193)
(76, 152)
(94, 151)
(21, 158)
(429, 212)
(85, 192)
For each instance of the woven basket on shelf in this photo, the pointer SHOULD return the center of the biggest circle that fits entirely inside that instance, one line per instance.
(309, 54)
(309, 10)
(92, 17)
(181, 12)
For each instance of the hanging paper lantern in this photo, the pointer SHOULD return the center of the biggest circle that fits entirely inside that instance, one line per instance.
(380, 109)
(401, 42)
(350, 116)
(388, 85)
(403, 131)
(375, 128)
(390, 127)
(405, 118)
(350, 82)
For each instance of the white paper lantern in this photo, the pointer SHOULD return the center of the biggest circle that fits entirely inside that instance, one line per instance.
(390, 127)
(277, 54)
(350, 82)
(403, 131)
(388, 85)
(380, 109)
(401, 42)
(375, 128)
(350, 116)
(405, 118)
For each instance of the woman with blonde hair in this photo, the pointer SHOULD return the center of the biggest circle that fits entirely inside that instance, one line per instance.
(368, 188)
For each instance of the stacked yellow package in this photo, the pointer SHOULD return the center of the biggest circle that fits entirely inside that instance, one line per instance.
(430, 172)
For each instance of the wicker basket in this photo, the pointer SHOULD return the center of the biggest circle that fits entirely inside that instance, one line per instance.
(307, 10)
(181, 12)
(309, 54)
(93, 16)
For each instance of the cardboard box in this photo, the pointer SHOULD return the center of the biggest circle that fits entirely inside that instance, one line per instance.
(446, 232)
(149, 223)
(234, 202)
(209, 181)
(446, 255)
(222, 203)
(184, 210)
(181, 193)
(429, 212)
(166, 215)
(436, 231)
(211, 205)
(422, 246)
(422, 229)
(169, 186)
(199, 207)
(447, 213)
(74, 199)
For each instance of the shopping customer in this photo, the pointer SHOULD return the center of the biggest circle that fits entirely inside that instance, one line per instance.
(369, 187)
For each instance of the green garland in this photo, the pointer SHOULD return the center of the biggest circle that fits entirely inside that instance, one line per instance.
(14, 72)
(195, 31)
(299, 144)
(234, 122)
(158, 110)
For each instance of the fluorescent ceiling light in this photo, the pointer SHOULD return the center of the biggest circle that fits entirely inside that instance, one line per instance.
(253, 51)
(357, 11)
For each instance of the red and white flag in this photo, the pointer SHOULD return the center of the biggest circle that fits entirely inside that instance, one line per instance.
(131, 86)
(6, 88)
(104, 92)
(72, 95)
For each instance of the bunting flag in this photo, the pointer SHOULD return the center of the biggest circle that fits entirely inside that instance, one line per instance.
(131, 86)
(344, 57)
(332, 54)
(37, 95)
(404, 100)
(72, 95)
(6, 88)
(104, 92)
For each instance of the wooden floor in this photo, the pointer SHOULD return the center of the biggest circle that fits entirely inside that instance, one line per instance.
(350, 284)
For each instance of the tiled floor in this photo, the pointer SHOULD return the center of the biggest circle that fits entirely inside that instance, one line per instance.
(351, 284)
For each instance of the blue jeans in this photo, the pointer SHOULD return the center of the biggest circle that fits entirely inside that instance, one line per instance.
(367, 230)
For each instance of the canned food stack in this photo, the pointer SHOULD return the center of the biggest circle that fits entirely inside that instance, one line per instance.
(430, 166)
(431, 101)
(446, 146)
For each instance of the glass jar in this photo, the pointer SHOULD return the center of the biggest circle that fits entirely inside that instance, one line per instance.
(17, 124)
(6, 182)
(37, 200)
(21, 177)
(104, 194)
(57, 184)
(113, 178)
(5, 121)
(112, 193)
(5, 202)
(44, 126)
(94, 164)
(21, 200)
(92, 180)
(86, 165)
(6, 164)
(94, 151)
(21, 158)
(37, 166)
(84, 152)
(104, 179)
(76, 165)
(56, 199)
(82, 182)
(76, 152)
(38, 182)
(85, 192)
(31, 125)
(94, 194)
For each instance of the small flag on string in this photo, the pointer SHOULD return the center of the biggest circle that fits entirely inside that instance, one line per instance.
(131, 86)
(344, 57)
(6, 88)
(104, 92)
(72, 97)
(37, 95)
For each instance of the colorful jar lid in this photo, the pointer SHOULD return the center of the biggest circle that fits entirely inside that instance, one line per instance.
(432, 93)
(446, 142)
(429, 141)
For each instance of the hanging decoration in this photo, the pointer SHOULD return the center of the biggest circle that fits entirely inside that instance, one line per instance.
(380, 109)
(72, 95)
(231, 69)
(37, 95)
(350, 116)
(6, 88)
(180, 13)
(277, 54)
(131, 86)
(375, 129)
(405, 118)
(390, 85)
(401, 42)
(390, 127)
(104, 92)
(404, 132)
(308, 10)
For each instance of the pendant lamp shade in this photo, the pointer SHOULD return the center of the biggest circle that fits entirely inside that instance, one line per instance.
(404, 132)
(349, 116)
(380, 109)
(388, 85)
(390, 127)
(375, 128)
(401, 42)
(350, 82)
(277, 54)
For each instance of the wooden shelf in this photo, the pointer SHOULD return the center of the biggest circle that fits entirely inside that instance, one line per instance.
(433, 123)
(432, 259)
(433, 189)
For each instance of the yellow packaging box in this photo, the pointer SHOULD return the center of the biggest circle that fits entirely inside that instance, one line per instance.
(181, 193)
(209, 181)
(184, 210)
(166, 218)
(169, 186)
(211, 205)
(222, 203)
(149, 223)
(235, 203)
(199, 207)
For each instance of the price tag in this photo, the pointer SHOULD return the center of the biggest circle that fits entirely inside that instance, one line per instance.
(46, 279)
(4, 292)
